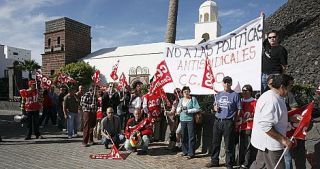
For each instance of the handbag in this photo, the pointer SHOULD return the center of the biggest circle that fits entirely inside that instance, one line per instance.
(198, 117)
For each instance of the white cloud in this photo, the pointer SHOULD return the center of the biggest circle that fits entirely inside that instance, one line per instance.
(231, 13)
(122, 35)
(22, 26)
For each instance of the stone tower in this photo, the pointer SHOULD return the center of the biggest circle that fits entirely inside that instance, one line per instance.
(208, 18)
(66, 41)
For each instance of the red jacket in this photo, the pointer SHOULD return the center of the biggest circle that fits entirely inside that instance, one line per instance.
(144, 126)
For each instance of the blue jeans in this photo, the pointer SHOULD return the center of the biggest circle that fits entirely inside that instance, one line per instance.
(188, 138)
(72, 123)
(288, 160)
(143, 146)
(264, 82)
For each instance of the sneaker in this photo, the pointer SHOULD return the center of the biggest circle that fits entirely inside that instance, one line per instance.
(210, 164)
(75, 135)
(243, 167)
(69, 137)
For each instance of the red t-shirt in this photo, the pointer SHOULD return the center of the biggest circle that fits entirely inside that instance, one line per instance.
(31, 97)
(153, 102)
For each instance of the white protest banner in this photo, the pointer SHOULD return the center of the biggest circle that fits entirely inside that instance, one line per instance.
(236, 54)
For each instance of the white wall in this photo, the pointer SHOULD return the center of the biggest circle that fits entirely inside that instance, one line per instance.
(10, 54)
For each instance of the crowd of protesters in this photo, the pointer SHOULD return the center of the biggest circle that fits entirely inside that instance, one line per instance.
(129, 118)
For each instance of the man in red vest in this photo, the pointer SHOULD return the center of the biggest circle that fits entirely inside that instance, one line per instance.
(31, 105)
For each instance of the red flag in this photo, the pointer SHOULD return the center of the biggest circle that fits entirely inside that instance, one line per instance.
(64, 79)
(96, 77)
(208, 78)
(300, 129)
(45, 81)
(113, 155)
(161, 77)
(160, 93)
(122, 82)
(113, 74)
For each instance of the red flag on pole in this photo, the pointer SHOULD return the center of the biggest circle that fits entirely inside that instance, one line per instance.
(45, 81)
(300, 129)
(161, 77)
(208, 78)
(96, 77)
(160, 93)
(122, 82)
(113, 74)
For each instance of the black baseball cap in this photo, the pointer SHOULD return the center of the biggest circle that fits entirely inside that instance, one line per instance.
(227, 79)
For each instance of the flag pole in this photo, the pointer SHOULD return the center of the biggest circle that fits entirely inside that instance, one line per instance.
(284, 151)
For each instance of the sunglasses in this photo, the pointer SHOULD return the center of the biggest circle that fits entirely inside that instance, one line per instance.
(272, 37)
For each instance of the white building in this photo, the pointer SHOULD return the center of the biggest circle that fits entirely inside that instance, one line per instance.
(139, 62)
(10, 54)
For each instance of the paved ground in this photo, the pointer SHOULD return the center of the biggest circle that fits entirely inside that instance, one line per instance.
(58, 152)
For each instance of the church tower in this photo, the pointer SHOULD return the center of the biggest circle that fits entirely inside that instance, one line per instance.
(208, 26)
(66, 41)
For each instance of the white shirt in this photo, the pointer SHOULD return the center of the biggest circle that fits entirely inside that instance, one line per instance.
(136, 103)
(271, 111)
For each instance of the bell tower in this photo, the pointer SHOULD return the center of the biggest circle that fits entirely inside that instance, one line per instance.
(208, 26)
(66, 41)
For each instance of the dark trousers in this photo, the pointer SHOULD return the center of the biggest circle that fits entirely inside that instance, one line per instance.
(54, 114)
(61, 119)
(298, 153)
(268, 160)
(89, 121)
(46, 114)
(223, 128)
(247, 153)
(188, 138)
(33, 122)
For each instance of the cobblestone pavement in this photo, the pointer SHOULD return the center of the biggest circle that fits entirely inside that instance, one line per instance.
(56, 151)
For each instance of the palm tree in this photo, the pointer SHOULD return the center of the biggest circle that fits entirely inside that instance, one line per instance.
(172, 21)
(28, 65)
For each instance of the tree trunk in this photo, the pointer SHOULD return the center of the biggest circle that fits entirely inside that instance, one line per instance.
(30, 75)
(172, 21)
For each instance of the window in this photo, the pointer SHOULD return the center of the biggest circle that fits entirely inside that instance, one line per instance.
(58, 40)
(200, 19)
(49, 42)
(15, 53)
(51, 72)
(206, 17)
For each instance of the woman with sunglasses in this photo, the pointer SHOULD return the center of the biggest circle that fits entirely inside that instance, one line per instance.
(247, 152)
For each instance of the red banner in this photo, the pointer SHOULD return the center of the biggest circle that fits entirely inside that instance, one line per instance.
(96, 77)
(208, 78)
(160, 93)
(45, 81)
(64, 79)
(113, 74)
(122, 82)
(298, 130)
(161, 77)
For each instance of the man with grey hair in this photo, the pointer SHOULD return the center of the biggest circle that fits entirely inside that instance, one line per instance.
(270, 124)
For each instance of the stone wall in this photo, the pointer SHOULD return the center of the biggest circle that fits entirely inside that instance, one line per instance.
(298, 23)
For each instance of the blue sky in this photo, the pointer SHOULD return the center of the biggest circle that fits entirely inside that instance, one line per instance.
(117, 22)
